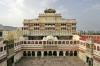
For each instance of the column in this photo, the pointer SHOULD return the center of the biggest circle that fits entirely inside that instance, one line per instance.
(31, 53)
(57, 53)
(64, 53)
(35, 53)
(47, 53)
(73, 53)
(26, 53)
(42, 53)
(68, 53)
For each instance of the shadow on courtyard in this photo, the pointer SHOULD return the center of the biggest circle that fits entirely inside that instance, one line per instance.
(50, 61)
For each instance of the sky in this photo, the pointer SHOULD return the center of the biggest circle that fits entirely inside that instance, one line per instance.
(86, 12)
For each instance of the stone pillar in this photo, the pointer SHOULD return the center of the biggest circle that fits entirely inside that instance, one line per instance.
(73, 53)
(35, 53)
(42, 53)
(68, 53)
(57, 53)
(64, 53)
(26, 53)
(47, 53)
(31, 53)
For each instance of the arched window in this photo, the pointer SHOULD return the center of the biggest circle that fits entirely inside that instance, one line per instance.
(1, 49)
(63, 42)
(29, 53)
(94, 47)
(67, 42)
(40, 42)
(24, 53)
(44, 42)
(71, 42)
(24, 42)
(5, 47)
(55, 42)
(28, 42)
(98, 48)
(74, 42)
(59, 42)
(36, 42)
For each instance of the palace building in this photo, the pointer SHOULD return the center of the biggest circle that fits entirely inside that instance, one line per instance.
(49, 35)
(49, 23)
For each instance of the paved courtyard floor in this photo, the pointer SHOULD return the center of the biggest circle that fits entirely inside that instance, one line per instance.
(51, 61)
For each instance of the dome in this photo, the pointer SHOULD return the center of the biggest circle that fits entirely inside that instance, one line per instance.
(50, 37)
(50, 10)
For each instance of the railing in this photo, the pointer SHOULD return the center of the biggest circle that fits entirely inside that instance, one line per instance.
(49, 42)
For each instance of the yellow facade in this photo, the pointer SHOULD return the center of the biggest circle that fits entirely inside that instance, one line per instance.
(49, 23)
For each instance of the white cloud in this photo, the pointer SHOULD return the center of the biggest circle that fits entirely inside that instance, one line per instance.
(35, 7)
(2, 3)
(18, 10)
(63, 11)
(96, 6)
(14, 13)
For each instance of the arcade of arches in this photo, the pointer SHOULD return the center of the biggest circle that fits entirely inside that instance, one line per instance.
(49, 53)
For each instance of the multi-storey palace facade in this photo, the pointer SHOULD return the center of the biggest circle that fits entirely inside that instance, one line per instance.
(49, 35)
(47, 24)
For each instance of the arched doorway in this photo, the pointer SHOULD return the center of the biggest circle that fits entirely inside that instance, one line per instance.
(39, 53)
(29, 53)
(45, 53)
(67, 53)
(89, 61)
(71, 53)
(54, 53)
(50, 53)
(75, 53)
(10, 61)
(33, 53)
(24, 53)
(61, 53)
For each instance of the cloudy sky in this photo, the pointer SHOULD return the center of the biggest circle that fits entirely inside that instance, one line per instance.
(86, 12)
